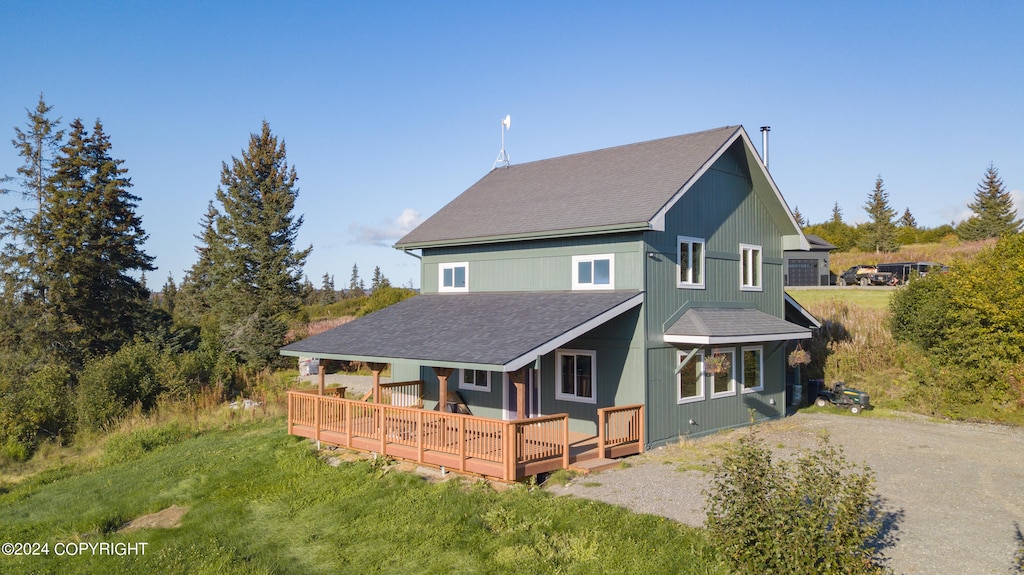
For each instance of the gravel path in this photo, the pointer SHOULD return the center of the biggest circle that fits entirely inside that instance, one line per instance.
(952, 493)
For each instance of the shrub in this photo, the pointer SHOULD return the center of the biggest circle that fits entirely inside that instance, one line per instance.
(109, 386)
(812, 515)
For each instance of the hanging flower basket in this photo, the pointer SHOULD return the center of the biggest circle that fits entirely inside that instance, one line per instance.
(799, 356)
(717, 364)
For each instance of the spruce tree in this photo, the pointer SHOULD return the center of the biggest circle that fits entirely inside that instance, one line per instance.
(197, 287)
(327, 292)
(23, 229)
(994, 215)
(800, 221)
(907, 219)
(880, 232)
(92, 246)
(379, 280)
(355, 285)
(255, 270)
(837, 214)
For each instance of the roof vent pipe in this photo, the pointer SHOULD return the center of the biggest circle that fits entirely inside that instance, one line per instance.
(764, 144)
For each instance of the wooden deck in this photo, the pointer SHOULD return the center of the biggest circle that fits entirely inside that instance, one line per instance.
(505, 450)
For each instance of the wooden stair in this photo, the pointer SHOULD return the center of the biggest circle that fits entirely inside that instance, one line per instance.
(593, 465)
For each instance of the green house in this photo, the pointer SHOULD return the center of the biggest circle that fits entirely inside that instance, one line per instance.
(647, 275)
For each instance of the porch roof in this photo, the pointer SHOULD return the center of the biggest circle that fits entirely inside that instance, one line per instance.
(496, 331)
(721, 326)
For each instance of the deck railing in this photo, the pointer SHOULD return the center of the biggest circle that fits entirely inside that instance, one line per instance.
(507, 450)
(402, 393)
(621, 430)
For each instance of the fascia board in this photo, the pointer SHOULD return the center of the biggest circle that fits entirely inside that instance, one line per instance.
(722, 340)
(573, 232)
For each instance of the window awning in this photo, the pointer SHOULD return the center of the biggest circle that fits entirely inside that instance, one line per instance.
(720, 326)
(496, 331)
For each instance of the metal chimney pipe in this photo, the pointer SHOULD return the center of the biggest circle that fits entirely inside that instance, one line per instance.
(764, 144)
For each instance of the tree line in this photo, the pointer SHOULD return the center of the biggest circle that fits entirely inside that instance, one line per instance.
(82, 339)
(992, 216)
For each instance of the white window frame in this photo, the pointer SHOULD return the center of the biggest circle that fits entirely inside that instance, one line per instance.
(752, 260)
(452, 266)
(463, 384)
(731, 391)
(760, 368)
(693, 283)
(577, 260)
(696, 363)
(559, 354)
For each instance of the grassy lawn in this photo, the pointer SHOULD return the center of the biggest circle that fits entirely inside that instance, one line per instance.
(868, 297)
(261, 501)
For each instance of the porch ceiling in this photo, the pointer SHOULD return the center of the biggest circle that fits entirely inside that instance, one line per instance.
(721, 326)
(496, 331)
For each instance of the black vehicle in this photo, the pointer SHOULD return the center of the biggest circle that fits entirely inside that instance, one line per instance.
(903, 272)
(864, 275)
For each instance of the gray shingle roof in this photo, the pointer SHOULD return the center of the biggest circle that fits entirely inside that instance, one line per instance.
(502, 331)
(710, 326)
(621, 187)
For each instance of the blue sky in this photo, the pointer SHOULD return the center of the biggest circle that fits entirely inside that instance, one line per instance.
(389, 110)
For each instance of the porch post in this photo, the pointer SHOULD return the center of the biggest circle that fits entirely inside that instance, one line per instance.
(518, 378)
(375, 369)
(443, 373)
(321, 375)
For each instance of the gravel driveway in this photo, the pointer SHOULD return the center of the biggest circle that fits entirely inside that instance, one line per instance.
(952, 493)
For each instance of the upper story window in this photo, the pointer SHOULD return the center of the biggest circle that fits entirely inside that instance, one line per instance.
(576, 375)
(593, 272)
(475, 379)
(453, 277)
(750, 267)
(691, 263)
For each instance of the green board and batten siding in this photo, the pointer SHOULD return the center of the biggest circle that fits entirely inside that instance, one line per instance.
(721, 209)
(539, 265)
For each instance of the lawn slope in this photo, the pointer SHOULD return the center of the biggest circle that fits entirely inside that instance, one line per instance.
(263, 502)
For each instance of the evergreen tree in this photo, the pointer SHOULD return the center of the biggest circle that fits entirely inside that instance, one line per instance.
(327, 293)
(994, 215)
(23, 229)
(197, 287)
(168, 294)
(800, 221)
(907, 219)
(355, 285)
(92, 244)
(256, 272)
(880, 233)
(837, 214)
(379, 280)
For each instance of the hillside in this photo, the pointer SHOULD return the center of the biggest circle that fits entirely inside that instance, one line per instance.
(944, 253)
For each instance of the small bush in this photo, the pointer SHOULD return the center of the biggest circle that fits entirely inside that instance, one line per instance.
(109, 386)
(812, 515)
(13, 451)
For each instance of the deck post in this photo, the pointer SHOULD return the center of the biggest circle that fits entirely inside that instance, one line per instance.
(419, 436)
(290, 413)
(382, 429)
(601, 421)
(375, 369)
(518, 378)
(462, 444)
(510, 452)
(443, 373)
(321, 375)
(642, 428)
(565, 437)
(316, 419)
(348, 423)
